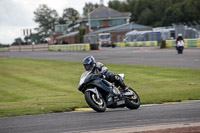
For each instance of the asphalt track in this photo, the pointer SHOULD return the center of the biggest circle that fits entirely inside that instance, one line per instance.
(148, 56)
(185, 113)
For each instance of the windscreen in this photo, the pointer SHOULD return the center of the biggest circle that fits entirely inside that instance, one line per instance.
(104, 37)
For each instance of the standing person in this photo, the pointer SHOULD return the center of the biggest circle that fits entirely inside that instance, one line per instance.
(180, 44)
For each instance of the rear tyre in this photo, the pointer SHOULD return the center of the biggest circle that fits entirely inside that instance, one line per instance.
(96, 104)
(182, 50)
(133, 102)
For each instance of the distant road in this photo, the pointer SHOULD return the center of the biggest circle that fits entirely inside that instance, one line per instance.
(185, 113)
(148, 56)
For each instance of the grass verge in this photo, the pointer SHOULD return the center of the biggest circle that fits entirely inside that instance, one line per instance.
(30, 86)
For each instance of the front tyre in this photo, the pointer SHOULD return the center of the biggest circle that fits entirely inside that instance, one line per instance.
(133, 101)
(96, 104)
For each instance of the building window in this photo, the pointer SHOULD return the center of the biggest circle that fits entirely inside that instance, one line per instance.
(61, 28)
(116, 22)
(96, 23)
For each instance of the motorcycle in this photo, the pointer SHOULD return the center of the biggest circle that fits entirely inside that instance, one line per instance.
(180, 47)
(101, 94)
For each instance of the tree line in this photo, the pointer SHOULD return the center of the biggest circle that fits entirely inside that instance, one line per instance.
(47, 18)
(160, 12)
(147, 12)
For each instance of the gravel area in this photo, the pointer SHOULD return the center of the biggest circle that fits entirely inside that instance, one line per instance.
(176, 130)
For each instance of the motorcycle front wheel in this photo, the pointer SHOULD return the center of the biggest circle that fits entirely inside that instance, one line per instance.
(96, 104)
(133, 102)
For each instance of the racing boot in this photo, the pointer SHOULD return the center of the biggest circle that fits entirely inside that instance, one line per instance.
(126, 90)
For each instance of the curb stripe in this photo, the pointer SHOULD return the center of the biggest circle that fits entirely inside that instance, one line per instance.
(145, 105)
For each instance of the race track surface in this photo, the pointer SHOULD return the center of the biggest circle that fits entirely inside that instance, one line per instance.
(117, 118)
(148, 56)
(111, 119)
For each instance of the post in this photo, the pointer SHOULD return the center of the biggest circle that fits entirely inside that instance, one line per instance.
(89, 24)
(32, 47)
(20, 47)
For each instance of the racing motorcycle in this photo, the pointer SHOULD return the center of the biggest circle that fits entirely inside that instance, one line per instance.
(101, 94)
(180, 47)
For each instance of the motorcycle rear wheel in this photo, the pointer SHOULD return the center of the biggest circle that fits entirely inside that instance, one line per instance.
(98, 105)
(133, 102)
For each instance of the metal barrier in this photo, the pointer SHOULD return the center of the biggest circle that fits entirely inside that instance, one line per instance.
(138, 44)
(46, 47)
(38, 47)
(70, 47)
(189, 43)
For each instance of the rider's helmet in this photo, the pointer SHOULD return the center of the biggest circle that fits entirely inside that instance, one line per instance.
(179, 34)
(89, 63)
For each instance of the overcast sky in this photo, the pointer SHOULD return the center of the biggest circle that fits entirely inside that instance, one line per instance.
(16, 15)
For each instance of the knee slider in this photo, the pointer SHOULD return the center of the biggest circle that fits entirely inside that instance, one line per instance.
(117, 77)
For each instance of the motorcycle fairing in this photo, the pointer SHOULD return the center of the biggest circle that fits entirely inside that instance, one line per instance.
(114, 101)
(100, 84)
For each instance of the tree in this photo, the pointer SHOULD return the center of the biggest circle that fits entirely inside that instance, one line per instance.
(70, 16)
(173, 15)
(61, 21)
(115, 5)
(34, 38)
(158, 8)
(81, 35)
(89, 7)
(47, 18)
(191, 11)
(18, 41)
(146, 17)
(130, 8)
(140, 6)
(122, 6)
(159, 12)
(185, 12)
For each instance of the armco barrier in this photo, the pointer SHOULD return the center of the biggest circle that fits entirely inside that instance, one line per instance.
(70, 47)
(189, 43)
(138, 44)
(37, 47)
(121, 44)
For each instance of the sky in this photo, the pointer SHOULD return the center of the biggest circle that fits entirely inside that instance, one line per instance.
(16, 15)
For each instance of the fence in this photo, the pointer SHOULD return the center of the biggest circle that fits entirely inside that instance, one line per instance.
(138, 44)
(38, 47)
(46, 47)
(189, 43)
(70, 47)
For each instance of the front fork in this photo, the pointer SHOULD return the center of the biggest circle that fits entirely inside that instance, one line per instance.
(95, 91)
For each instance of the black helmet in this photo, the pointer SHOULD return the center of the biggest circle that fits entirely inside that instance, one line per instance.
(89, 63)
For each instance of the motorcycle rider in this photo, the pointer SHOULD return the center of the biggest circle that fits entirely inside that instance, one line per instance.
(89, 63)
(180, 44)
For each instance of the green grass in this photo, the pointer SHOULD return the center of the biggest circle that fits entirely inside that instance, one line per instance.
(4, 49)
(30, 86)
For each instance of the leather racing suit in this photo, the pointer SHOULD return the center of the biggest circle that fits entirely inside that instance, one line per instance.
(111, 77)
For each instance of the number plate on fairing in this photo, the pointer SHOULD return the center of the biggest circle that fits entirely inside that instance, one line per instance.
(121, 102)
